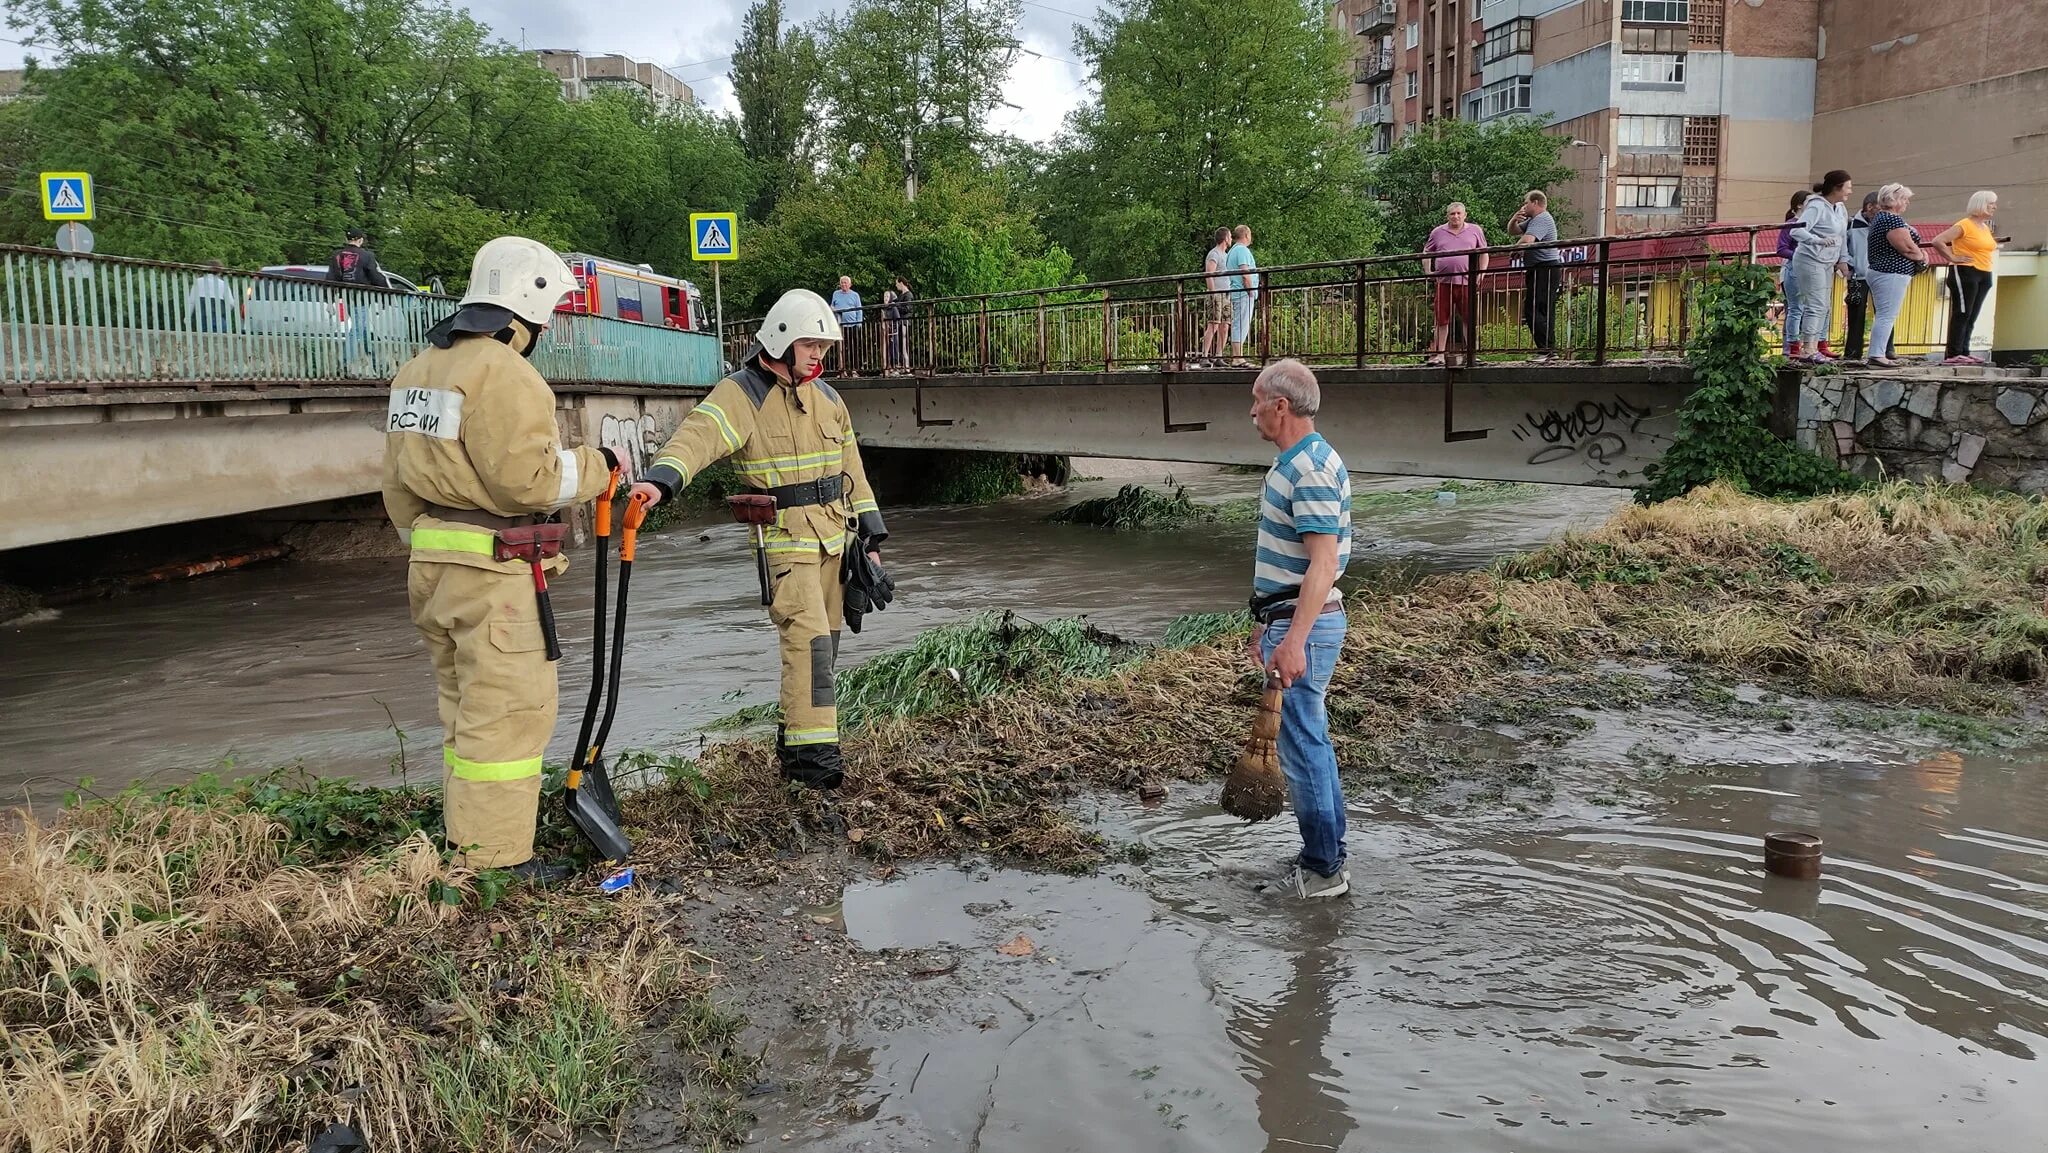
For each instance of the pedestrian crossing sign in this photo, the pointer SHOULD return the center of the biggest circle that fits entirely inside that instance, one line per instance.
(714, 235)
(67, 196)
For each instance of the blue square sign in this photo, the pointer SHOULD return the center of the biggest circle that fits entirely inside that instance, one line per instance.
(714, 235)
(67, 196)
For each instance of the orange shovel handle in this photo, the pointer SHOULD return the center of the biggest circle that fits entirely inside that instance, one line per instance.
(636, 515)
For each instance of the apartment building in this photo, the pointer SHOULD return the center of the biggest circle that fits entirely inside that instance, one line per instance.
(11, 80)
(581, 75)
(1948, 98)
(1683, 112)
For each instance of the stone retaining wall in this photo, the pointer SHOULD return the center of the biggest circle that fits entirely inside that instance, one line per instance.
(1981, 426)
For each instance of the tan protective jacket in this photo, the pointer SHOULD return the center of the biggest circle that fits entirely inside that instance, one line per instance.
(777, 435)
(472, 426)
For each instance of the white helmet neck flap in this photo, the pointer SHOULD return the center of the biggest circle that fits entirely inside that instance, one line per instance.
(800, 315)
(522, 275)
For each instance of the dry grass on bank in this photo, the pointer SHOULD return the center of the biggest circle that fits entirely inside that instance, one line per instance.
(171, 979)
(1901, 594)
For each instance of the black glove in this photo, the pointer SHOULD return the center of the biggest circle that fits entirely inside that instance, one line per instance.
(611, 459)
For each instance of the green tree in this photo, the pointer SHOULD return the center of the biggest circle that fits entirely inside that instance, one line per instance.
(928, 72)
(775, 76)
(1489, 167)
(1210, 112)
(963, 234)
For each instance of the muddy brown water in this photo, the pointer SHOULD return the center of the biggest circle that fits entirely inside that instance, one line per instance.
(1575, 980)
(299, 662)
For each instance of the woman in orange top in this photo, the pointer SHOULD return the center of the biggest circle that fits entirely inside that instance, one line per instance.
(1973, 244)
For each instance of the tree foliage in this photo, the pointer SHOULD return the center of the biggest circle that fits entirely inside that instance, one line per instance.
(775, 77)
(1489, 167)
(926, 71)
(1724, 425)
(963, 234)
(1209, 113)
(254, 131)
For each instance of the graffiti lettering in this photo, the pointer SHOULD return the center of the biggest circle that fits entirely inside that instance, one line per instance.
(634, 440)
(1597, 430)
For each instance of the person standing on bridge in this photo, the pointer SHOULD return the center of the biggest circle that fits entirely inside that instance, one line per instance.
(846, 308)
(1244, 291)
(794, 441)
(1298, 613)
(1452, 275)
(471, 453)
(1215, 306)
(1542, 270)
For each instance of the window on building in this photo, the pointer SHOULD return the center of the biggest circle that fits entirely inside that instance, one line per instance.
(1659, 133)
(1703, 141)
(1474, 105)
(1414, 33)
(1414, 85)
(1383, 92)
(1653, 68)
(1655, 193)
(1504, 96)
(1655, 11)
(1510, 39)
(1655, 39)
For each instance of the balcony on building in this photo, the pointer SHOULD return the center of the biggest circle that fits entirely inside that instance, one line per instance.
(1376, 18)
(1375, 66)
(1373, 114)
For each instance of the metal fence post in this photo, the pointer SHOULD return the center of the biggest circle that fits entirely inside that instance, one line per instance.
(1600, 308)
(1043, 364)
(1358, 314)
(1108, 332)
(984, 335)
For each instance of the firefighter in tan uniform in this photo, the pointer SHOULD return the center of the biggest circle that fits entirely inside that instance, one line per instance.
(790, 438)
(472, 451)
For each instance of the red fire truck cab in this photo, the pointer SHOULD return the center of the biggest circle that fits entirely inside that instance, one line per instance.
(632, 292)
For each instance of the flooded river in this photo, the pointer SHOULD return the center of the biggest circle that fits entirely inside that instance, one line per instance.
(299, 662)
(1577, 981)
(1615, 976)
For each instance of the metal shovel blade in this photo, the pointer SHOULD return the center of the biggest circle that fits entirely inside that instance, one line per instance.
(598, 827)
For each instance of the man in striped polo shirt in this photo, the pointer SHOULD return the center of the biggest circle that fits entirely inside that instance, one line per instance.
(1304, 544)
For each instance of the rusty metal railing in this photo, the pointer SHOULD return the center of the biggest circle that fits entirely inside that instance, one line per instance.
(1614, 298)
(90, 323)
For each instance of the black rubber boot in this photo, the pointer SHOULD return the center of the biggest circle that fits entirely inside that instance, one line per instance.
(539, 874)
(816, 766)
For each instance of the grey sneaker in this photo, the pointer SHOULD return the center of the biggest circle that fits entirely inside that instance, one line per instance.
(1312, 886)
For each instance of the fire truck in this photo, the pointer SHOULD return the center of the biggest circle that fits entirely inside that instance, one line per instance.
(633, 292)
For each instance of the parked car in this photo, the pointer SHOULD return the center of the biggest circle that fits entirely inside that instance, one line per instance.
(295, 299)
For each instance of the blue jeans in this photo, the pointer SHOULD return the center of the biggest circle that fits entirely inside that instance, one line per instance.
(1306, 755)
(1789, 282)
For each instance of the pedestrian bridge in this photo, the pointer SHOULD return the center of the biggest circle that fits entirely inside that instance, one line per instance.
(132, 393)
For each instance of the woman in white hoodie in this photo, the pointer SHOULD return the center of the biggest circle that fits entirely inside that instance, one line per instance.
(1823, 254)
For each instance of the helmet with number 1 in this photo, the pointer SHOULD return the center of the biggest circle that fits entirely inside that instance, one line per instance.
(520, 275)
(800, 315)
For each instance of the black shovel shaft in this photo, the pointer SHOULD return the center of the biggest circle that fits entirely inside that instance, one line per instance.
(547, 613)
(597, 622)
(611, 696)
(761, 564)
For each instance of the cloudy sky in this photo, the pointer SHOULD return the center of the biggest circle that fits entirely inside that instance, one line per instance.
(696, 40)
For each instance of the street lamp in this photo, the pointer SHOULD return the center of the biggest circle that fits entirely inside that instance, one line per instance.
(1577, 143)
(909, 161)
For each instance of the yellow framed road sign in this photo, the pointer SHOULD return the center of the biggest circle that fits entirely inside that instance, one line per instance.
(714, 235)
(67, 195)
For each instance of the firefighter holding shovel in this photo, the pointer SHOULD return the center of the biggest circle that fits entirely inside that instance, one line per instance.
(474, 471)
(809, 503)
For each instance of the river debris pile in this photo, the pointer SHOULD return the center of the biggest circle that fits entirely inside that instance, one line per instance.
(187, 974)
(1136, 508)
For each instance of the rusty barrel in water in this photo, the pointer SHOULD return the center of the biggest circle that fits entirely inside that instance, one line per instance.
(1795, 855)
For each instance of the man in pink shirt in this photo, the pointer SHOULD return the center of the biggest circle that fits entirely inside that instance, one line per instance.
(1452, 274)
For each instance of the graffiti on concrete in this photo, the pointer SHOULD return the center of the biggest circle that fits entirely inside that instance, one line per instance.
(634, 440)
(1598, 431)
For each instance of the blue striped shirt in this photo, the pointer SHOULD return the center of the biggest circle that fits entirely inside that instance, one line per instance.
(1307, 491)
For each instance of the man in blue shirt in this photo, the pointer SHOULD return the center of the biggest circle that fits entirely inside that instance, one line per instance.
(1244, 290)
(1304, 544)
(846, 306)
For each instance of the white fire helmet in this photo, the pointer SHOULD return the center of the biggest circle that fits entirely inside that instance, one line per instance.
(800, 315)
(522, 275)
